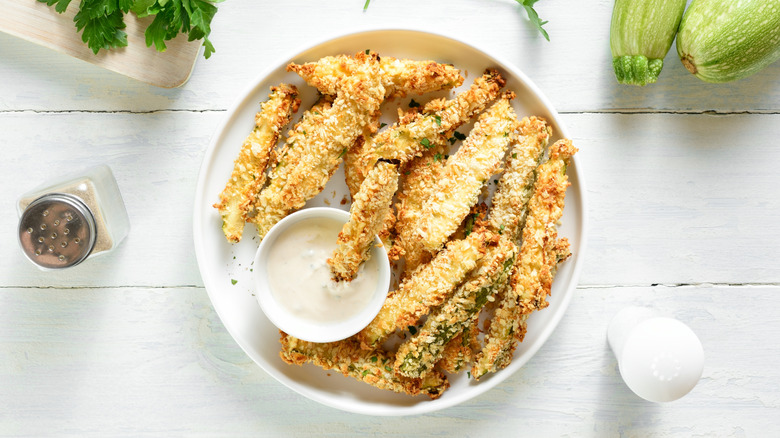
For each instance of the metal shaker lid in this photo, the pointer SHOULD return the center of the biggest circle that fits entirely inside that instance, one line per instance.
(57, 231)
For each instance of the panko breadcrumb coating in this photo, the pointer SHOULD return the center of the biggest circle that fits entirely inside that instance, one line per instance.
(407, 139)
(540, 253)
(459, 352)
(465, 173)
(237, 199)
(369, 210)
(427, 287)
(509, 204)
(399, 76)
(417, 183)
(417, 356)
(372, 367)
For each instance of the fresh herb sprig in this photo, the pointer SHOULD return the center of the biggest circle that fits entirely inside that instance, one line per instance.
(101, 22)
(533, 17)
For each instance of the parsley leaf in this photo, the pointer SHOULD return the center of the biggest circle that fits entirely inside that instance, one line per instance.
(528, 5)
(101, 22)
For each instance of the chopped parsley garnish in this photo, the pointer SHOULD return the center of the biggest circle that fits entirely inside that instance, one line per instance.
(382, 125)
(427, 143)
(233, 281)
(437, 157)
(412, 329)
(343, 151)
(514, 155)
(438, 119)
(459, 136)
(414, 104)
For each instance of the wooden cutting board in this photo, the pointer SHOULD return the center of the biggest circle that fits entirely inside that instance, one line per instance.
(41, 24)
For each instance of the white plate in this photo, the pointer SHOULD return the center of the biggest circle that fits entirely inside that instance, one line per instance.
(221, 263)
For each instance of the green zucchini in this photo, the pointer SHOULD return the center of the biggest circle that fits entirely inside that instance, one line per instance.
(726, 40)
(640, 35)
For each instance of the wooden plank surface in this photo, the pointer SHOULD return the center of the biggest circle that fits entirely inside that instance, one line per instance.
(41, 24)
(155, 362)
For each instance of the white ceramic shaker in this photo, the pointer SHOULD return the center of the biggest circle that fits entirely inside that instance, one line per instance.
(660, 359)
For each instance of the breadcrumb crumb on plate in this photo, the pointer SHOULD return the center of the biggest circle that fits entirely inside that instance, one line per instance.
(226, 268)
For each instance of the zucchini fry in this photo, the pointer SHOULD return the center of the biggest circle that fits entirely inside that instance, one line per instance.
(419, 179)
(248, 176)
(462, 178)
(399, 76)
(417, 355)
(510, 202)
(460, 351)
(427, 287)
(369, 210)
(540, 253)
(372, 367)
(404, 141)
(314, 155)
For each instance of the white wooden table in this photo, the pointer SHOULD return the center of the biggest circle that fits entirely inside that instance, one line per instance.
(682, 183)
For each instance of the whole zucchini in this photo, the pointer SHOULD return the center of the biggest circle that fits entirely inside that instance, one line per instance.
(725, 40)
(640, 35)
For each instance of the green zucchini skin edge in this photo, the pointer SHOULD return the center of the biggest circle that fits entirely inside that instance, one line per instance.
(641, 34)
(726, 40)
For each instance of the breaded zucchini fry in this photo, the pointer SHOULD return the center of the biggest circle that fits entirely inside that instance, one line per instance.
(314, 155)
(462, 178)
(248, 177)
(417, 355)
(372, 367)
(460, 351)
(368, 212)
(540, 253)
(404, 142)
(427, 287)
(510, 202)
(419, 178)
(399, 76)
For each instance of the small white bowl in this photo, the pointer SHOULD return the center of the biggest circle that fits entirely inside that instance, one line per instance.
(296, 325)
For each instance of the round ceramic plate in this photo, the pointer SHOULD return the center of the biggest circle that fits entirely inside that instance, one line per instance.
(227, 268)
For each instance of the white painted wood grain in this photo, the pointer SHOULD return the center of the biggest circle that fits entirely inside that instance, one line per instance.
(573, 69)
(158, 362)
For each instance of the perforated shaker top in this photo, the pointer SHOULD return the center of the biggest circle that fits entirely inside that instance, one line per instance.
(57, 231)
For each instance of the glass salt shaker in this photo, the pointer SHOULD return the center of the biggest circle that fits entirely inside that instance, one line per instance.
(64, 222)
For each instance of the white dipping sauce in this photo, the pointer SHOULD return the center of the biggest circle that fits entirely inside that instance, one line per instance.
(300, 278)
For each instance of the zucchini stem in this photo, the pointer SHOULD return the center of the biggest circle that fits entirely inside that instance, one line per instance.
(637, 70)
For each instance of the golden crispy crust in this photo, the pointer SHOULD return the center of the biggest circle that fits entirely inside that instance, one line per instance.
(427, 287)
(417, 355)
(237, 199)
(315, 153)
(412, 135)
(368, 213)
(509, 205)
(459, 352)
(399, 76)
(460, 183)
(418, 180)
(540, 253)
(372, 367)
